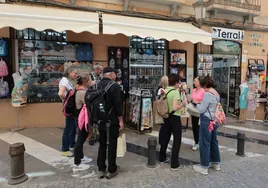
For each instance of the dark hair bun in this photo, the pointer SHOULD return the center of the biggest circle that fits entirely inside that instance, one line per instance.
(207, 82)
(79, 80)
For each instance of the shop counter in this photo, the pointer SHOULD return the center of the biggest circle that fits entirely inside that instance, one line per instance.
(32, 115)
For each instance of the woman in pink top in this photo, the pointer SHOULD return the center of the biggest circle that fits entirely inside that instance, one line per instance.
(196, 97)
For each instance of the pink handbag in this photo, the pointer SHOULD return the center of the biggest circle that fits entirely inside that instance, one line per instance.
(3, 68)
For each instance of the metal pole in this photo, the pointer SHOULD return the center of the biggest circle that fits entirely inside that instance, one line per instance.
(16, 152)
(152, 143)
(241, 137)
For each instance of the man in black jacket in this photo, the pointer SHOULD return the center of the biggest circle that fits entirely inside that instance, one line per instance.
(114, 102)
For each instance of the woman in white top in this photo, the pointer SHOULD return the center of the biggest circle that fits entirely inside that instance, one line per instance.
(69, 133)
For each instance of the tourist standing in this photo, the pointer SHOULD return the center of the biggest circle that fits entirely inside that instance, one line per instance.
(69, 133)
(208, 142)
(197, 95)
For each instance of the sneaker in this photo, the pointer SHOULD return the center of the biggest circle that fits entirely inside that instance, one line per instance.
(215, 166)
(195, 147)
(200, 169)
(80, 167)
(67, 154)
(112, 175)
(178, 168)
(86, 159)
(165, 161)
(101, 174)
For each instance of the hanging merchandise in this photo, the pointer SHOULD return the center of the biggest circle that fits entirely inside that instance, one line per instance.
(260, 65)
(4, 89)
(3, 48)
(140, 114)
(118, 59)
(177, 63)
(147, 116)
(3, 68)
(204, 65)
(146, 62)
(20, 91)
(84, 52)
(252, 95)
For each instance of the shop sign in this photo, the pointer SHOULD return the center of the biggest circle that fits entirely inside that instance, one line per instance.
(227, 34)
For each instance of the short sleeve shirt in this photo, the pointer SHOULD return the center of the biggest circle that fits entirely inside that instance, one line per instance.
(197, 95)
(173, 95)
(65, 82)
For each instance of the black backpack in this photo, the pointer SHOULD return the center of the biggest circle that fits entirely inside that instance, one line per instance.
(95, 100)
(69, 104)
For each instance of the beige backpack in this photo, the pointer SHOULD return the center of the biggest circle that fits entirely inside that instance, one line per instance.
(162, 105)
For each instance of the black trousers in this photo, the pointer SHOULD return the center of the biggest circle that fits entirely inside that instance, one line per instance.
(78, 149)
(195, 127)
(112, 148)
(172, 126)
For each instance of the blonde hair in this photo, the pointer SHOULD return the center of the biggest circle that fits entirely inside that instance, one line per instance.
(164, 82)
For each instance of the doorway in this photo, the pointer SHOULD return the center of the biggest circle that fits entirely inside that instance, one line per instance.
(227, 74)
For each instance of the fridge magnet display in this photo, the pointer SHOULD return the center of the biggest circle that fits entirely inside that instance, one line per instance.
(118, 58)
(174, 71)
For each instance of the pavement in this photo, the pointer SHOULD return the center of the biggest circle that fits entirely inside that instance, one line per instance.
(47, 169)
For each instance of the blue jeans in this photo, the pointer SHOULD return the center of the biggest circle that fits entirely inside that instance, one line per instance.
(208, 143)
(69, 133)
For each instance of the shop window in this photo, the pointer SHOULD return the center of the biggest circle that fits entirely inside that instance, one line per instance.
(44, 62)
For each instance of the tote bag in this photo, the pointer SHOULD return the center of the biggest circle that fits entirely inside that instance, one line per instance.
(121, 145)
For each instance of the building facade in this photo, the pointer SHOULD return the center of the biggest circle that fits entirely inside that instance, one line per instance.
(105, 33)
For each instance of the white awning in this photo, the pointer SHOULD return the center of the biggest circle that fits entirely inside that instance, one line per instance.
(169, 30)
(42, 18)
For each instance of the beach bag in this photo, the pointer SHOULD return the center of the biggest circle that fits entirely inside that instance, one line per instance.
(4, 89)
(3, 68)
(219, 117)
(192, 110)
(121, 145)
(162, 105)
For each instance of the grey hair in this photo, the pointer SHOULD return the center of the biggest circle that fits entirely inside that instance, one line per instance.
(68, 71)
(97, 66)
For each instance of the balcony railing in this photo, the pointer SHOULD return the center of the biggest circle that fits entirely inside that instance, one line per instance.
(244, 4)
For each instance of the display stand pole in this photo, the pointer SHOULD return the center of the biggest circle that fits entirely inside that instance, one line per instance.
(17, 119)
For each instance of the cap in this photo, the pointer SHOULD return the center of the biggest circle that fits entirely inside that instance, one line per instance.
(109, 70)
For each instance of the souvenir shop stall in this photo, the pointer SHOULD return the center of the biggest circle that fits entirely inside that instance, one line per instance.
(139, 110)
(146, 67)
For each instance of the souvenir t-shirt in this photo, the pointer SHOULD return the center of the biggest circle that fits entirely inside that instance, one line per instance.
(3, 48)
(173, 95)
(65, 82)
